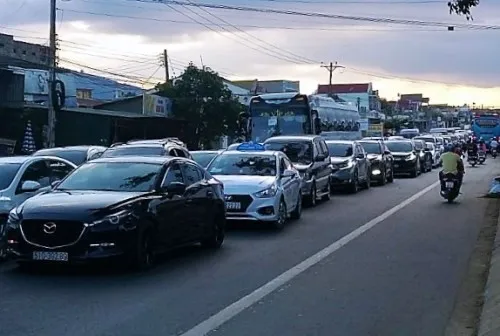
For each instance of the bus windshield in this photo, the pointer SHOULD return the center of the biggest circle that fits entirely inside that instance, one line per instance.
(283, 117)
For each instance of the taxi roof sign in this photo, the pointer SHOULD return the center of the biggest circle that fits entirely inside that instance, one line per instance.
(250, 147)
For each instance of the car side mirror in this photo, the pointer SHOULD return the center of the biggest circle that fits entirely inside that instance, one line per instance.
(288, 173)
(387, 152)
(427, 149)
(320, 158)
(54, 184)
(30, 186)
(317, 125)
(175, 188)
(360, 156)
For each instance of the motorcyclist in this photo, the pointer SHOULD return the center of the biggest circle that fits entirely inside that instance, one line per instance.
(482, 145)
(472, 147)
(452, 164)
(493, 144)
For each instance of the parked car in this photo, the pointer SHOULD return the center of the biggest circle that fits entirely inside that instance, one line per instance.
(350, 165)
(259, 185)
(204, 157)
(309, 155)
(381, 161)
(406, 159)
(125, 207)
(75, 154)
(22, 177)
(424, 155)
(160, 147)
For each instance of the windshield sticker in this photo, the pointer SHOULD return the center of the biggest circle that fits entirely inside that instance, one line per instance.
(215, 170)
(273, 121)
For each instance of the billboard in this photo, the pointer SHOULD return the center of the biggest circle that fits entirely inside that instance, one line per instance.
(156, 106)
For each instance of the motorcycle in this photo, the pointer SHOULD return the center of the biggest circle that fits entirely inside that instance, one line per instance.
(494, 153)
(472, 159)
(481, 157)
(450, 187)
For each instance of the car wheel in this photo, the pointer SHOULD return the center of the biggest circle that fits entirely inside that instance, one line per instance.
(368, 182)
(144, 257)
(354, 188)
(279, 223)
(327, 196)
(297, 212)
(390, 178)
(415, 172)
(313, 196)
(383, 180)
(217, 234)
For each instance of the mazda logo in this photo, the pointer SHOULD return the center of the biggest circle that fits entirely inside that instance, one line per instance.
(49, 228)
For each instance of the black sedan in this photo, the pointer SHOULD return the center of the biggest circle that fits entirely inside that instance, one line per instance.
(381, 161)
(424, 155)
(406, 159)
(127, 207)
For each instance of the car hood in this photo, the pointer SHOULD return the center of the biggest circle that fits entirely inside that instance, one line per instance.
(79, 205)
(244, 184)
(401, 153)
(337, 160)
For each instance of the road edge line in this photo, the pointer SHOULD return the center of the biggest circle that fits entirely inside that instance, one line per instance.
(258, 294)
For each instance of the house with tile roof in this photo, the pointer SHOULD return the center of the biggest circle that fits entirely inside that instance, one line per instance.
(359, 94)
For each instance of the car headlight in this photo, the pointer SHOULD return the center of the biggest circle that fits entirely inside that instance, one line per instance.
(268, 192)
(14, 219)
(113, 219)
(6, 204)
(410, 157)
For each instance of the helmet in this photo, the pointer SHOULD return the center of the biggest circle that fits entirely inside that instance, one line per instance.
(449, 148)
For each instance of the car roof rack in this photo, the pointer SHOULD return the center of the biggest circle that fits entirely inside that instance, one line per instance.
(174, 140)
(116, 144)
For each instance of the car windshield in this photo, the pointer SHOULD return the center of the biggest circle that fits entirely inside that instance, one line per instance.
(7, 173)
(112, 176)
(371, 148)
(243, 164)
(76, 156)
(134, 151)
(418, 145)
(399, 146)
(427, 139)
(297, 151)
(339, 149)
(203, 158)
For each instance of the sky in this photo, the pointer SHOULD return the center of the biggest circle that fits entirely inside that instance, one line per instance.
(127, 37)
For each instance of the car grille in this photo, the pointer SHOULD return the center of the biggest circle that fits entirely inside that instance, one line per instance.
(65, 232)
(245, 201)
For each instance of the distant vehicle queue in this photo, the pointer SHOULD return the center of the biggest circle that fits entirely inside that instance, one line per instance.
(137, 199)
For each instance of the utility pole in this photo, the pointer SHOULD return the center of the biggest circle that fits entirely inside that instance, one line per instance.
(165, 62)
(331, 68)
(51, 112)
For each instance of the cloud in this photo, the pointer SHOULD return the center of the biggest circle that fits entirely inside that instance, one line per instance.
(370, 51)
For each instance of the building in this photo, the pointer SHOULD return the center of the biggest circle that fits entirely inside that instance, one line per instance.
(268, 86)
(242, 94)
(412, 102)
(18, 52)
(361, 95)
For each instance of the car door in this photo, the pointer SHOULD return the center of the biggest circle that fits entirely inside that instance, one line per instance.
(171, 210)
(285, 182)
(360, 156)
(37, 171)
(323, 170)
(295, 182)
(196, 197)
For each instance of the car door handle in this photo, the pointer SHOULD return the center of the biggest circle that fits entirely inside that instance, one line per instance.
(210, 193)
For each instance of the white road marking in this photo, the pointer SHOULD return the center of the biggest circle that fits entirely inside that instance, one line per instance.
(237, 307)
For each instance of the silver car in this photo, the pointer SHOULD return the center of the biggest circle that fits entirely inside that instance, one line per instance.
(204, 157)
(259, 185)
(22, 177)
(436, 155)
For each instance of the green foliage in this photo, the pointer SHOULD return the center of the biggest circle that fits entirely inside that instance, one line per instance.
(462, 7)
(201, 98)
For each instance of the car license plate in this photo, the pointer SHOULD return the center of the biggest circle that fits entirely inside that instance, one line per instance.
(50, 256)
(396, 166)
(233, 205)
(449, 184)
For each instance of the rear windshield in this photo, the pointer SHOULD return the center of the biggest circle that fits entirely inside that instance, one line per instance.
(133, 151)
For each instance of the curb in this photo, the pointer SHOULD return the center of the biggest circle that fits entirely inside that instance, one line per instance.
(489, 323)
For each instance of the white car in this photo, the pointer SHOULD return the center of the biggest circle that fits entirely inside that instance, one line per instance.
(22, 177)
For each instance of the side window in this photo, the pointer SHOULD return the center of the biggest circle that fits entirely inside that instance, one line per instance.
(282, 166)
(59, 170)
(191, 173)
(38, 172)
(172, 152)
(324, 148)
(174, 174)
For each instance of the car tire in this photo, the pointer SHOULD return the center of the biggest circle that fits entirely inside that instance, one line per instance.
(144, 255)
(390, 178)
(416, 171)
(354, 187)
(217, 234)
(297, 212)
(312, 198)
(368, 182)
(383, 180)
(327, 196)
(279, 224)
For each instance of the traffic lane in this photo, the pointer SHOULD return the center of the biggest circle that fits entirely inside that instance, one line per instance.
(188, 287)
(399, 278)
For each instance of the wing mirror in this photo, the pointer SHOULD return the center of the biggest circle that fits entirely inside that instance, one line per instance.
(175, 188)
(360, 156)
(288, 173)
(30, 186)
(387, 152)
(320, 158)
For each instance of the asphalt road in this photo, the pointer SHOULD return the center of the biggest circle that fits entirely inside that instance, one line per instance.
(392, 266)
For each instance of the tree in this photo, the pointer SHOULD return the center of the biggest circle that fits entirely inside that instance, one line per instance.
(462, 7)
(201, 98)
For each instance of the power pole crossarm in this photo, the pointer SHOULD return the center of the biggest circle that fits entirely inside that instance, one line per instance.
(331, 68)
